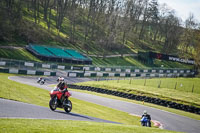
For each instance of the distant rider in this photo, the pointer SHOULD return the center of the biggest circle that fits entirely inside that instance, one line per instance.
(146, 118)
(39, 79)
(60, 79)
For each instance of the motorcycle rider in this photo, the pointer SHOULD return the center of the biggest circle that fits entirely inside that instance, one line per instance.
(42, 81)
(39, 79)
(60, 79)
(146, 116)
(62, 86)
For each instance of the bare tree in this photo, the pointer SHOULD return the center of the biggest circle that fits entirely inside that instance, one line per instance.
(61, 11)
(144, 19)
(188, 38)
(154, 18)
(73, 7)
(172, 33)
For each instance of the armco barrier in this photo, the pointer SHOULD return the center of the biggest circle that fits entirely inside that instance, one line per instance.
(112, 74)
(19, 64)
(152, 100)
(27, 72)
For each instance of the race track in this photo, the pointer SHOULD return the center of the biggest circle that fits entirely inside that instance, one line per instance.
(14, 109)
(170, 121)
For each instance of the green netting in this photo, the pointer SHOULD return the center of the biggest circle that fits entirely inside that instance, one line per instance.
(41, 50)
(59, 52)
(75, 54)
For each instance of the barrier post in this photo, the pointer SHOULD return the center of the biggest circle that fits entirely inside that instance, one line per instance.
(159, 84)
(145, 82)
(193, 88)
(175, 86)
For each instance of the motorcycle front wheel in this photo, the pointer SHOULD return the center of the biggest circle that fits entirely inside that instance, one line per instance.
(53, 104)
(68, 106)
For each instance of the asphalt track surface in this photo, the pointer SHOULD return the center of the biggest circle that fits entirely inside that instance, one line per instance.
(169, 120)
(14, 109)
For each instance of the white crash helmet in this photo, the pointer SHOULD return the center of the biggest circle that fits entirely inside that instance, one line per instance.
(61, 79)
(145, 112)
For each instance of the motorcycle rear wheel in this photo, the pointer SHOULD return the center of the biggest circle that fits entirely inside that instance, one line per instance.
(68, 107)
(52, 104)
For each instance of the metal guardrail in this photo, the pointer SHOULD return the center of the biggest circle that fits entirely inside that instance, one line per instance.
(10, 63)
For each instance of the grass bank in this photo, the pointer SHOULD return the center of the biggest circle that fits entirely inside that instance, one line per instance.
(117, 61)
(61, 126)
(181, 90)
(18, 54)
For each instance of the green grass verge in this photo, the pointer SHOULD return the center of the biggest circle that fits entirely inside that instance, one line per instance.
(61, 126)
(28, 94)
(172, 89)
(118, 61)
(19, 54)
(171, 64)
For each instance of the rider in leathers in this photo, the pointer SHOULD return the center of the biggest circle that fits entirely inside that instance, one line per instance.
(148, 117)
(62, 86)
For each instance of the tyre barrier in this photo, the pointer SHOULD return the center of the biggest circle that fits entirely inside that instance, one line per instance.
(130, 96)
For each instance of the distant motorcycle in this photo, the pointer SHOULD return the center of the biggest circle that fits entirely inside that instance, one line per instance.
(41, 81)
(60, 100)
(38, 81)
(145, 122)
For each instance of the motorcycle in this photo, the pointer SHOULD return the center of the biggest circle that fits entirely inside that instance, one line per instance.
(60, 100)
(42, 81)
(38, 81)
(145, 122)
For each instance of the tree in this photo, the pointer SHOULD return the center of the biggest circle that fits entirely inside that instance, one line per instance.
(72, 17)
(188, 38)
(172, 32)
(154, 17)
(197, 50)
(144, 19)
(61, 11)
(136, 10)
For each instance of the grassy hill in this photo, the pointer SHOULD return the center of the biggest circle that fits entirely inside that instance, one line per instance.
(21, 26)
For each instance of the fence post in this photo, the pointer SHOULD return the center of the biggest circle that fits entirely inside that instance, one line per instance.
(130, 81)
(159, 84)
(145, 82)
(175, 86)
(193, 88)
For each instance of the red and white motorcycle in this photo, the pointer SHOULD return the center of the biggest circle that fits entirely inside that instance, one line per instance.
(60, 100)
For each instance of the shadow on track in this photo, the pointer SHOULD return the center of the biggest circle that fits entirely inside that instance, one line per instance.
(73, 114)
